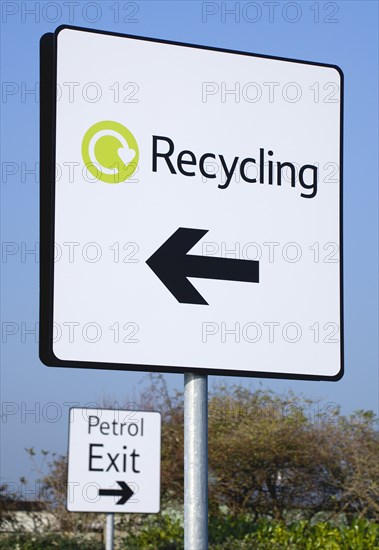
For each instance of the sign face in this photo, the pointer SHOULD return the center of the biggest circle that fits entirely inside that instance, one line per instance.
(114, 461)
(191, 209)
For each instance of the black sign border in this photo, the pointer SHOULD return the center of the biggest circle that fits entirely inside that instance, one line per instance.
(48, 81)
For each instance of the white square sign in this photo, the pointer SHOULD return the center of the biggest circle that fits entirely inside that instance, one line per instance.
(114, 461)
(191, 209)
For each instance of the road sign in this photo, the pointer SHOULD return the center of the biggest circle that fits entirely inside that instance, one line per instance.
(191, 209)
(114, 461)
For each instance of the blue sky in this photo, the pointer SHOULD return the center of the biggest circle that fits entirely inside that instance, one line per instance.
(35, 399)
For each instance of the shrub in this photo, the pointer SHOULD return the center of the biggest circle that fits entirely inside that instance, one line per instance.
(241, 533)
(158, 533)
(301, 535)
(32, 541)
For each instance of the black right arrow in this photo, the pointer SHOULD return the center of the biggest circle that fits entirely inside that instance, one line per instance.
(172, 265)
(125, 492)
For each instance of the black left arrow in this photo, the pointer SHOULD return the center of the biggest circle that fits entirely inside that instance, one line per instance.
(172, 265)
(125, 492)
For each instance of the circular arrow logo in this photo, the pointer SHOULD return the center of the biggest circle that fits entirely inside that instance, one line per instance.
(110, 152)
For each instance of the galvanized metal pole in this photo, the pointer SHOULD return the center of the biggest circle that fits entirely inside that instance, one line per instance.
(195, 462)
(109, 533)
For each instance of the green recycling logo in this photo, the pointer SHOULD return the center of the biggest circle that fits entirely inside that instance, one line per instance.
(110, 152)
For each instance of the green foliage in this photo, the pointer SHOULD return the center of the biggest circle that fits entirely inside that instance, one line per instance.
(276, 535)
(158, 533)
(223, 526)
(33, 541)
(227, 532)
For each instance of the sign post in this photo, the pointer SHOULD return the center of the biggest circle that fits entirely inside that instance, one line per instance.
(195, 461)
(109, 532)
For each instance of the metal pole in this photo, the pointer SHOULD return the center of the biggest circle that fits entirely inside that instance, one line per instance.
(195, 462)
(109, 533)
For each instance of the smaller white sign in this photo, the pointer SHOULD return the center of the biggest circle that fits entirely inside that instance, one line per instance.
(114, 461)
